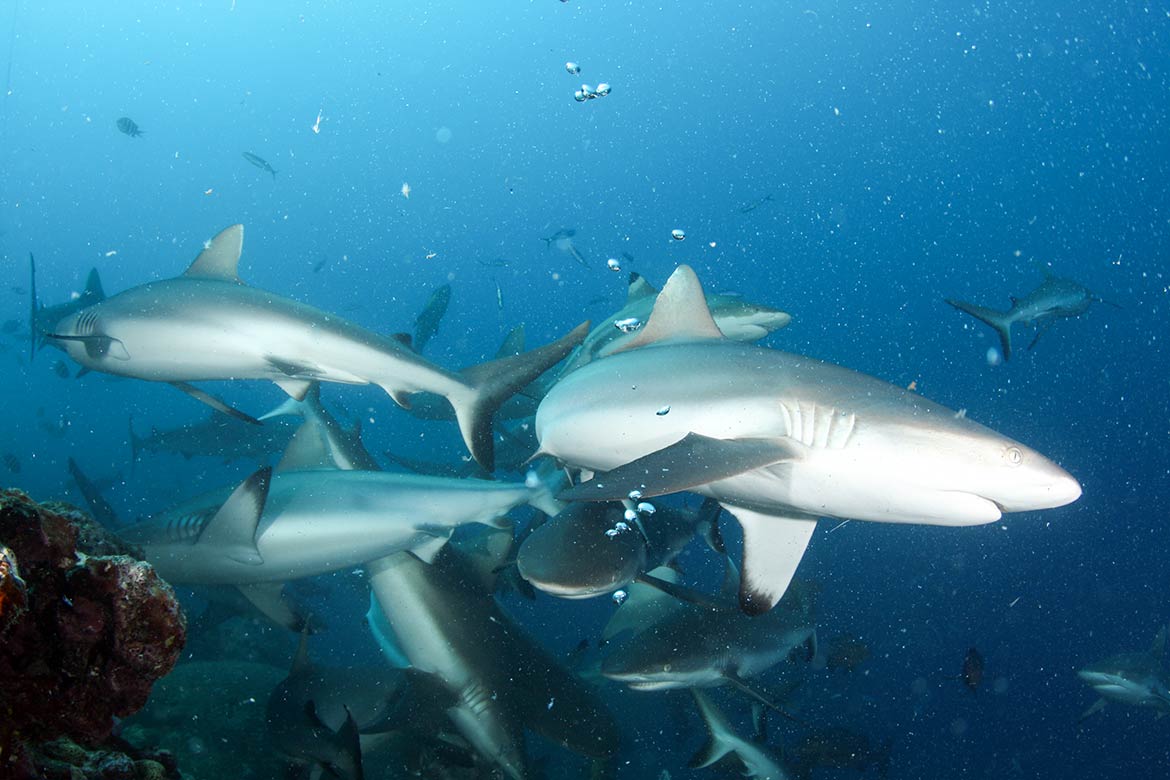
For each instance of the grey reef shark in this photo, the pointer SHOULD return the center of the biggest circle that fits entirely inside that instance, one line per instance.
(778, 439)
(1055, 299)
(208, 324)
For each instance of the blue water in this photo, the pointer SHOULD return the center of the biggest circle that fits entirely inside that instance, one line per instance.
(912, 153)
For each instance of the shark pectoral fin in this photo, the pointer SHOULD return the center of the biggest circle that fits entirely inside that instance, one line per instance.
(233, 528)
(220, 259)
(773, 545)
(296, 389)
(682, 592)
(692, 461)
(268, 598)
(427, 550)
(307, 451)
(753, 693)
(1097, 707)
(1043, 329)
(215, 403)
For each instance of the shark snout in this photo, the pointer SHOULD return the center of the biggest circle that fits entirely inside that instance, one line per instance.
(1041, 485)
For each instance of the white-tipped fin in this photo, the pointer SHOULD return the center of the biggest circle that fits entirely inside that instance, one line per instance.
(773, 545)
(221, 258)
(680, 314)
(233, 528)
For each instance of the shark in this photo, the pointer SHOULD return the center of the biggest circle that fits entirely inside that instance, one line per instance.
(583, 552)
(736, 318)
(208, 324)
(691, 646)
(216, 435)
(441, 621)
(779, 439)
(42, 318)
(308, 517)
(722, 741)
(308, 712)
(1056, 298)
(1137, 679)
(344, 446)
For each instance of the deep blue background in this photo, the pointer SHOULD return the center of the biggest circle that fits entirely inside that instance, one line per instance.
(913, 152)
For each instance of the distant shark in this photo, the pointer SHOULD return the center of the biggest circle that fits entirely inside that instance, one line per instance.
(1137, 679)
(446, 623)
(426, 325)
(736, 319)
(1054, 299)
(310, 518)
(778, 439)
(207, 324)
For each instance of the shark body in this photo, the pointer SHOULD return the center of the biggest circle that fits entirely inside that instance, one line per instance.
(779, 440)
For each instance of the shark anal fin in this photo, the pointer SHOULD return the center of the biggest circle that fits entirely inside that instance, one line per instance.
(773, 545)
(233, 528)
(692, 461)
(220, 259)
(215, 403)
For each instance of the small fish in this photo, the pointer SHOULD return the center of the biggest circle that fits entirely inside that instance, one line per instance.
(129, 127)
(12, 462)
(755, 204)
(405, 190)
(320, 265)
(260, 163)
(972, 674)
(60, 369)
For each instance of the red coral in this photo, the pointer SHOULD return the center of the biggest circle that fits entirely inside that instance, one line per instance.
(95, 634)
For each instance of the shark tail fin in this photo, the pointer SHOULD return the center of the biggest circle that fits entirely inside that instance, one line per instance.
(544, 482)
(490, 384)
(720, 734)
(1001, 321)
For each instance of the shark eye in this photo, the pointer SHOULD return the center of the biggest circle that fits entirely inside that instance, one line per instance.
(1013, 456)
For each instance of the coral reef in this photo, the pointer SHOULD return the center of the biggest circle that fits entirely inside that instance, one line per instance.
(85, 630)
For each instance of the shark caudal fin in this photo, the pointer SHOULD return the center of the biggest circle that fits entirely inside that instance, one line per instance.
(1001, 321)
(490, 384)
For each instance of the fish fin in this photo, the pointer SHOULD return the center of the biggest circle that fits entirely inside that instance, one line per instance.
(406, 340)
(215, 403)
(289, 406)
(490, 384)
(755, 694)
(234, 526)
(645, 606)
(268, 598)
(82, 372)
(773, 545)
(680, 314)
(221, 258)
(1158, 648)
(1001, 321)
(295, 388)
(350, 738)
(93, 288)
(427, 550)
(1043, 329)
(1096, 707)
(513, 343)
(307, 451)
(639, 288)
(681, 592)
(718, 727)
(693, 460)
(384, 633)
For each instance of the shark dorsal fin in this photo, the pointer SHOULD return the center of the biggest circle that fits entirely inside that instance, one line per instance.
(308, 450)
(233, 527)
(220, 259)
(680, 314)
(93, 286)
(639, 288)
